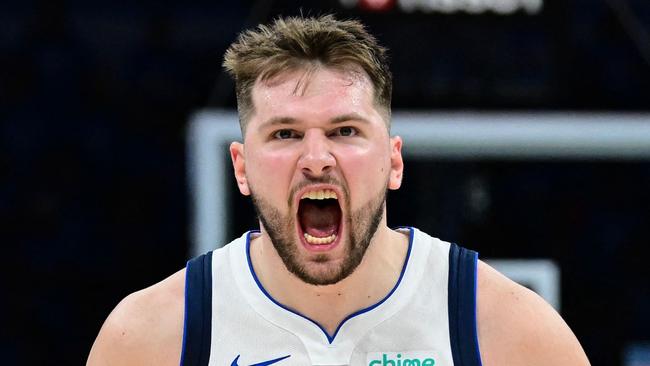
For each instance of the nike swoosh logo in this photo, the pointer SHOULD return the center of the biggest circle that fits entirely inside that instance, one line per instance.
(265, 363)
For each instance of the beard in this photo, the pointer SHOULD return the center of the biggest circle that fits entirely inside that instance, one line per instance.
(318, 270)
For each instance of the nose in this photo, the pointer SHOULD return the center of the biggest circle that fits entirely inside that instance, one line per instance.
(316, 159)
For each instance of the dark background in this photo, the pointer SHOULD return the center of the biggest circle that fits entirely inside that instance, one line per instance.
(94, 103)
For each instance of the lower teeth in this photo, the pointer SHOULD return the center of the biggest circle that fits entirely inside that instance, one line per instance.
(316, 240)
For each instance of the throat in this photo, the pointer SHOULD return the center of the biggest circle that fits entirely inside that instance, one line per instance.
(330, 305)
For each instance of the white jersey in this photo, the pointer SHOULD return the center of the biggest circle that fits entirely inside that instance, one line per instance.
(428, 318)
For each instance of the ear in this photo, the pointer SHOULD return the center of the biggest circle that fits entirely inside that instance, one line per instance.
(396, 163)
(239, 166)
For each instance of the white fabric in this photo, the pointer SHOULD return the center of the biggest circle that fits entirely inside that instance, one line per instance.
(414, 318)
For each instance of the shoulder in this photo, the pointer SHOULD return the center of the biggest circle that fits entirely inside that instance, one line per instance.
(145, 328)
(517, 327)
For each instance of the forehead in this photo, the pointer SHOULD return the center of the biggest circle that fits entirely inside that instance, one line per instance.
(314, 93)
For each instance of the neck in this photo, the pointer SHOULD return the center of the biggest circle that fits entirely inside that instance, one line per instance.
(328, 305)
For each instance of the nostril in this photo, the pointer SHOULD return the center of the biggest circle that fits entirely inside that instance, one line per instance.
(317, 171)
(317, 164)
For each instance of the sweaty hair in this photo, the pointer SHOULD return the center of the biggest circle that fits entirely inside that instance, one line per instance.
(296, 43)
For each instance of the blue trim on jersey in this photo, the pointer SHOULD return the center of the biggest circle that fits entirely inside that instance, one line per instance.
(463, 333)
(197, 325)
(330, 339)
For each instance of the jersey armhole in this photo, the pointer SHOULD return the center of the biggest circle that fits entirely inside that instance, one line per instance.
(198, 311)
(463, 331)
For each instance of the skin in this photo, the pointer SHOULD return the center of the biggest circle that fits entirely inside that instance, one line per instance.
(515, 326)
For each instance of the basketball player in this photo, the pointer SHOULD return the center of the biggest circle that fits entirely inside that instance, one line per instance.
(325, 281)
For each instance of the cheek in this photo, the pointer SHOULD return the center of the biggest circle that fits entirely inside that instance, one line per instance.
(270, 173)
(366, 170)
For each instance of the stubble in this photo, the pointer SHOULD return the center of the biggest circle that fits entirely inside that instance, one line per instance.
(362, 223)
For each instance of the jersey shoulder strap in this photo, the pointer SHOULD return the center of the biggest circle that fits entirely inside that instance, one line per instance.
(462, 306)
(198, 311)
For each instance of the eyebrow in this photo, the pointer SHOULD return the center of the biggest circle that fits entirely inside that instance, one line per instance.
(275, 121)
(349, 117)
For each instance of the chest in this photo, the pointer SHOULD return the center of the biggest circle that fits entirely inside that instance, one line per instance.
(412, 335)
(408, 326)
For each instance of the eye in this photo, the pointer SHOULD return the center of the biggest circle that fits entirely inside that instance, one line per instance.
(346, 131)
(285, 134)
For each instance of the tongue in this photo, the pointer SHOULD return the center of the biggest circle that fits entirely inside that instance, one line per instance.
(319, 219)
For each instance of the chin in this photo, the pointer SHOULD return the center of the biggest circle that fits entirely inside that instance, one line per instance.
(321, 269)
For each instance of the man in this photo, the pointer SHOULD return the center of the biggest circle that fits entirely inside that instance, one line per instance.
(325, 281)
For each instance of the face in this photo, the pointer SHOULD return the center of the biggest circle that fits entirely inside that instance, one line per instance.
(317, 160)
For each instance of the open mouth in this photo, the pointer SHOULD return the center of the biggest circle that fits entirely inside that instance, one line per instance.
(319, 217)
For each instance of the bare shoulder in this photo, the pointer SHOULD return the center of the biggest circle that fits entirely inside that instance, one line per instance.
(145, 328)
(517, 327)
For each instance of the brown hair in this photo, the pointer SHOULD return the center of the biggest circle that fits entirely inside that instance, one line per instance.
(297, 42)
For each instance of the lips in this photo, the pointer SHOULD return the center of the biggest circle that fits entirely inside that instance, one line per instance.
(319, 217)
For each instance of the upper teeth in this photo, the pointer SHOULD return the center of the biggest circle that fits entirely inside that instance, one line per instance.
(321, 194)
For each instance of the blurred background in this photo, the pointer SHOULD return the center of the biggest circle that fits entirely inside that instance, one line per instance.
(95, 99)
